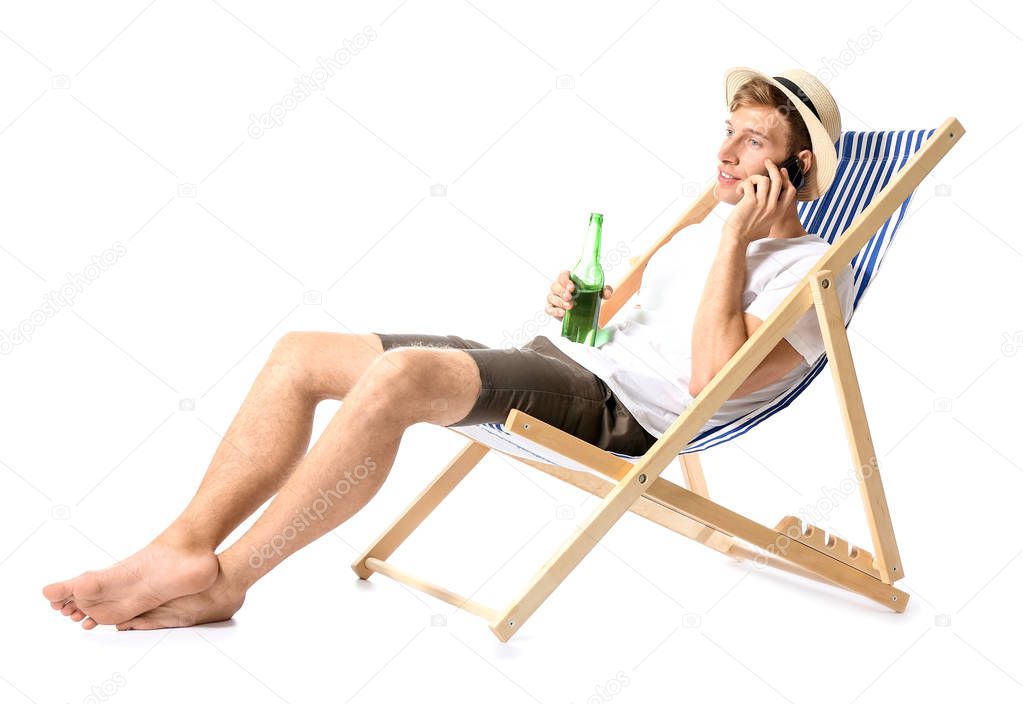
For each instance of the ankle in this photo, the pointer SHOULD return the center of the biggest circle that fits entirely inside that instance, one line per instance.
(232, 587)
(182, 537)
(236, 573)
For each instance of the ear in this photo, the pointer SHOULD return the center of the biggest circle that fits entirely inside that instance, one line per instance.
(805, 157)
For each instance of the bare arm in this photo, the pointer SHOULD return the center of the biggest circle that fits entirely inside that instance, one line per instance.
(718, 328)
(721, 327)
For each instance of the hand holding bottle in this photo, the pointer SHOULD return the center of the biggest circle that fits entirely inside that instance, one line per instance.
(560, 298)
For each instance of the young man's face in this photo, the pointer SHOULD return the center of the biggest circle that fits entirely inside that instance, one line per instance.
(752, 134)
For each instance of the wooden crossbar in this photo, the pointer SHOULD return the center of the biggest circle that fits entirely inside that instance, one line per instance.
(430, 588)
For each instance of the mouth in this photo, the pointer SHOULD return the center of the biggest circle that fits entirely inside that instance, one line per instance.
(727, 180)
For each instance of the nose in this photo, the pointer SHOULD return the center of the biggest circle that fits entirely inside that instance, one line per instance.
(726, 155)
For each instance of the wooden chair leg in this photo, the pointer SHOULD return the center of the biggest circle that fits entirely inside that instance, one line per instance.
(692, 470)
(696, 482)
(421, 507)
(854, 416)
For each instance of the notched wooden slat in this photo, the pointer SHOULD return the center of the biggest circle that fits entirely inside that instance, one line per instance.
(814, 537)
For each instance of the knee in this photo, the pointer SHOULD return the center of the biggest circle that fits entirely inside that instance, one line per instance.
(291, 348)
(417, 384)
(401, 376)
(400, 372)
(292, 356)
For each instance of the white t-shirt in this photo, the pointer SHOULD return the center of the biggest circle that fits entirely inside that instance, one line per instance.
(647, 360)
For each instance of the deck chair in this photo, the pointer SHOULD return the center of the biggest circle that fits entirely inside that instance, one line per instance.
(859, 216)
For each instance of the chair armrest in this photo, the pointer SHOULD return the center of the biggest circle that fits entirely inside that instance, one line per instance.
(629, 284)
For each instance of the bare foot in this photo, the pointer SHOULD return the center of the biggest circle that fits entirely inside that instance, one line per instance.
(218, 603)
(156, 574)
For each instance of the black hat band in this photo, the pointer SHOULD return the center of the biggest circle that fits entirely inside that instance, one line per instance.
(799, 94)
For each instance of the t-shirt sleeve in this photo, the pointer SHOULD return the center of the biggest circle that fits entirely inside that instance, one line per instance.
(805, 336)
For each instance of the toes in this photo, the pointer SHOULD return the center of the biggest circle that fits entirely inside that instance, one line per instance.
(88, 624)
(58, 591)
(58, 605)
(69, 608)
(78, 615)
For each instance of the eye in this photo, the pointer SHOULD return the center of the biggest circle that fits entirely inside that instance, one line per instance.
(754, 142)
(728, 131)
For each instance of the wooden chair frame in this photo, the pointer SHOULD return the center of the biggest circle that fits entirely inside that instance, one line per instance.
(638, 486)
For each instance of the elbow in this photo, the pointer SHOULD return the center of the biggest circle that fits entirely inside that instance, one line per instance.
(700, 381)
(696, 386)
(695, 389)
(699, 378)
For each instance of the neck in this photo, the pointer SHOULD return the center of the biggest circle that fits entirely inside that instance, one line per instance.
(788, 226)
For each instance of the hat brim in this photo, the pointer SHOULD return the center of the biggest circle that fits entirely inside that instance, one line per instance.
(825, 157)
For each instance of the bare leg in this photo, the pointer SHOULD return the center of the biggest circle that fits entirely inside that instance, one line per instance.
(272, 430)
(341, 473)
(268, 436)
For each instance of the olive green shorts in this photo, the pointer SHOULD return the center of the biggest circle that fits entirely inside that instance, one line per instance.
(541, 380)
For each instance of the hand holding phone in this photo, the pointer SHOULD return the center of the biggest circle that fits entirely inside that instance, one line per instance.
(794, 170)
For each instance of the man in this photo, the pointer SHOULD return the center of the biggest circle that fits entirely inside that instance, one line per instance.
(688, 323)
(619, 396)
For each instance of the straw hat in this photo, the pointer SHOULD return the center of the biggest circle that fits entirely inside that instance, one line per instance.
(820, 113)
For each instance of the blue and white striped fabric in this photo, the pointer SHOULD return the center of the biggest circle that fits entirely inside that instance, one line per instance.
(867, 162)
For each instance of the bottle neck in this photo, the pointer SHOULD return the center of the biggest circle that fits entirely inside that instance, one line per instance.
(588, 272)
(591, 245)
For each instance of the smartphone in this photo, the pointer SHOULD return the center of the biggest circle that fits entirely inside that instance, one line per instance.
(794, 170)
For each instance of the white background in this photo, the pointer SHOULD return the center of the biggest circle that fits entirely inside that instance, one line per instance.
(129, 125)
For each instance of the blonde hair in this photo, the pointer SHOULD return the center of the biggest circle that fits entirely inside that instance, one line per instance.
(757, 91)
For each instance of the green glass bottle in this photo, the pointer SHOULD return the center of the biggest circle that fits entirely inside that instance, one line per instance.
(580, 321)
